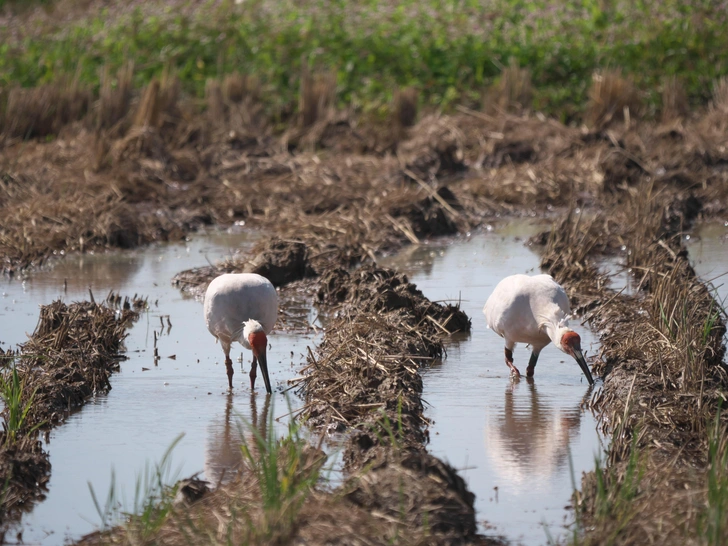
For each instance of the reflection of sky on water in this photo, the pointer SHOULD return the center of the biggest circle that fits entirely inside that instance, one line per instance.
(149, 405)
(511, 440)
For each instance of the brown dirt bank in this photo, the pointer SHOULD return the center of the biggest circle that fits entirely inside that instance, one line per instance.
(69, 358)
(663, 369)
(164, 169)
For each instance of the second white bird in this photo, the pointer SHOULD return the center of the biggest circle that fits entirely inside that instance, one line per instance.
(533, 310)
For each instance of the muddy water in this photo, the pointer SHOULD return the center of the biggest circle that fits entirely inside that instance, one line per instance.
(150, 404)
(511, 440)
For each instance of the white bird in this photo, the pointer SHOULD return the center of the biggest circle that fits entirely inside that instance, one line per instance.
(533, 310)
(242, 307)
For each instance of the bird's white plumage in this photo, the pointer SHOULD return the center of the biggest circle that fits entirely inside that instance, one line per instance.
(232, 300)
(524, 309)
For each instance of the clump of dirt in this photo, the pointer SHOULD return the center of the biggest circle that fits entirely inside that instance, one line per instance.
(365, 378)
(375, 289)
(71, 354)
(69, 358)
(435, 149)
(512, 151)
(407, 486)
(620, 170)
(365, 374)
(280, 261)
(25, 469)
(434, 215)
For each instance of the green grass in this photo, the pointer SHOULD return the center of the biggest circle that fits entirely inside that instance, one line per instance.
(284, 476)
(153, 498)
(450, 50)
(11, 391)
(713, 524)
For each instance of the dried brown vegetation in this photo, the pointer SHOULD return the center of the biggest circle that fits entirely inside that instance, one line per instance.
(674, 100)
(317, 95)
(114, 96)
(612, 97)
(512, 92)
(42, 111)
(404, 111)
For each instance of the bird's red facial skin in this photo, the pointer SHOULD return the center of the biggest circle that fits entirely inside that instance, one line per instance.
(258, 342)
(571, 341)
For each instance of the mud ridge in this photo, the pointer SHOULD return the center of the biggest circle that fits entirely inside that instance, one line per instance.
(663, 369)
(364, 382)
(68, 359)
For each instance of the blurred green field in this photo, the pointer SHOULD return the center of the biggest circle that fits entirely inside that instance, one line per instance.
(450, 50)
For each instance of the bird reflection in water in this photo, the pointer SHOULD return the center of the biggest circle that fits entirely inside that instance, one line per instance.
(528, 442)
(223, 457)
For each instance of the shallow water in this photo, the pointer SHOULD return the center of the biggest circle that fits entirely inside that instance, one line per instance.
(511, 441)
(149, 405)
(708, 251)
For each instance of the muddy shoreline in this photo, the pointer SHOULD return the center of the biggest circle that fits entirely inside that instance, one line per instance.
(333, 197)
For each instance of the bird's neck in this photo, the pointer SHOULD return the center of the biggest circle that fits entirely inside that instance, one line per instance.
(555, 330)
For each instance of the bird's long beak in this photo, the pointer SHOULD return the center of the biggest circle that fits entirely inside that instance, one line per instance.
(583, 365)
(263, 361)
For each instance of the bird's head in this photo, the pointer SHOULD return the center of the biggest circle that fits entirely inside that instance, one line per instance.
(255, 337)
(570, 343)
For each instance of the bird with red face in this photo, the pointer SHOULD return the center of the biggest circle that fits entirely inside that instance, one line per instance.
(534, 310)
(242, 307)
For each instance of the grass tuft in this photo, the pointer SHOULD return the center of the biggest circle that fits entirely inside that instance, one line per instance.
(713, 522)
(612, 97)
(153, 500)
(114, 95)
(405, 107)
(674, 99)
(16, 410)
(215, 102)
(720, 95)
(148, 109)
(512, 92)
(284, 470)
(44, 110)
(317, 95)
(237, 87)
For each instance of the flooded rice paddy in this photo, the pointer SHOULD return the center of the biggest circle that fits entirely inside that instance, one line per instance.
(151, 402)
(510, 440)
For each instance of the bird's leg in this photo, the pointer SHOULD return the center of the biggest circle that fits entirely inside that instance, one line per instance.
(509, 361)
(532, 364)
(252, 373)
(229, 366)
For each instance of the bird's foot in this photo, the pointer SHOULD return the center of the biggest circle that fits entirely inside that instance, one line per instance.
(530, 370)
(515, 374)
